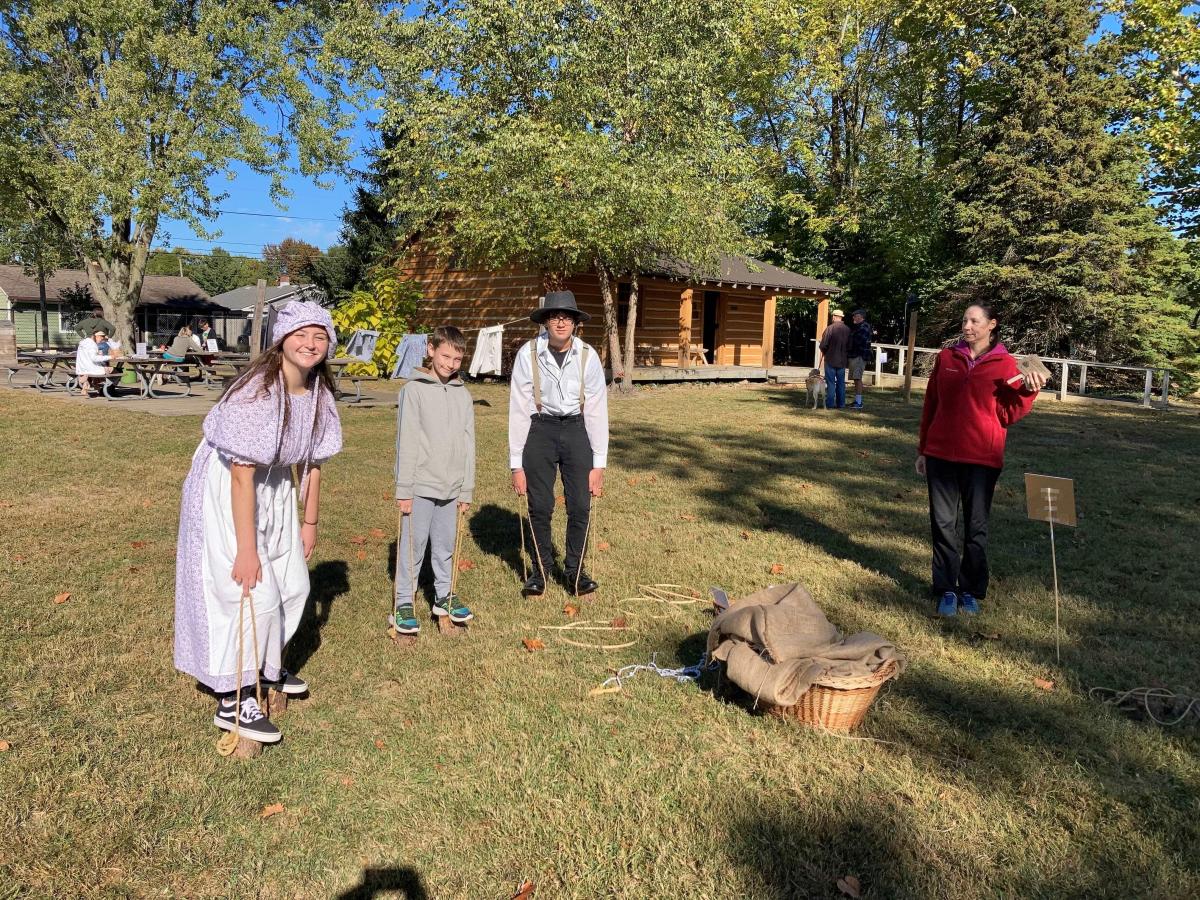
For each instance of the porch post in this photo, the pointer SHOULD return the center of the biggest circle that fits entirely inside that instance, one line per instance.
(768, 341)
(822, 324)
(685, 329)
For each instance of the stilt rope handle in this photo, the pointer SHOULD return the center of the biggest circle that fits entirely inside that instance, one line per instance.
(228, 742)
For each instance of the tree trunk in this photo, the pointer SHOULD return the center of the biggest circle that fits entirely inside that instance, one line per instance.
(611, 338)
(42, 304)
(116, 278)
(630, 325)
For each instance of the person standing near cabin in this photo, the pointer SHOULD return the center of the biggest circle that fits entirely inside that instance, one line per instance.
(974, 394)
(241, 578)
(860, 349)
(835, 348)
(558, 424)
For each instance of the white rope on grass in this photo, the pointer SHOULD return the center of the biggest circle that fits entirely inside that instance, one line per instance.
(682, 675)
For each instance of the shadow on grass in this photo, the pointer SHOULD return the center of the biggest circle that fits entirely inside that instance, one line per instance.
(789, 851)
(497, 532)
(377, 881)
(327, 581)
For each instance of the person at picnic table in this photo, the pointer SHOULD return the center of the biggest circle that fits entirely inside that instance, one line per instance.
(975, 393)
(183, 344)
(435, 477)
(92, 355)
(202, 333)
(240, 533)
(558, 423)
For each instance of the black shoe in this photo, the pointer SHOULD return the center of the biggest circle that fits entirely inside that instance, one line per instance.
(251, 722)
(287, 683)
(586, 584)
(535, 585)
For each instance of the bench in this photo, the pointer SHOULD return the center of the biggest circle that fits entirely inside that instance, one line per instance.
(358, 381)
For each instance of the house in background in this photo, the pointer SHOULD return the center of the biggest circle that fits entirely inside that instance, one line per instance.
(722, 321)
(238, 305)
(167, 302)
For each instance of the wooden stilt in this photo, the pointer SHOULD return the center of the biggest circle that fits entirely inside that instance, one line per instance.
(446, 628)
(277, 704)
(247, 749)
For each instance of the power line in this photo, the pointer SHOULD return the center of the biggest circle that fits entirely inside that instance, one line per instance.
(236, 212)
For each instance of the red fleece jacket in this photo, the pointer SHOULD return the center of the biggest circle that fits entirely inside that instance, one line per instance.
(969, 405)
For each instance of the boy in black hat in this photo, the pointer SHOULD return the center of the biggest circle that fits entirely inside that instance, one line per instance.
(558, 423)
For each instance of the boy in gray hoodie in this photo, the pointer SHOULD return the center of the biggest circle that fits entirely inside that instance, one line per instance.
(435, 476)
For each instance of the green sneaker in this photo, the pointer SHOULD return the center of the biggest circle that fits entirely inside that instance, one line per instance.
(454, 608)
(404, 620)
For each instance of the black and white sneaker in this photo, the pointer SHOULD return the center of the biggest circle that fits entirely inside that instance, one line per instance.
(287, 683)
(251, 721)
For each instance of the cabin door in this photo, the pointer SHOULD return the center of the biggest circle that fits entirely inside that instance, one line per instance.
(712, 325)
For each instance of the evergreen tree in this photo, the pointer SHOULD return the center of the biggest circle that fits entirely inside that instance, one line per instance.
(1050, 218)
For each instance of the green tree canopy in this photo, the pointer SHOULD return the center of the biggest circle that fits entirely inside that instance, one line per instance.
(115, 115)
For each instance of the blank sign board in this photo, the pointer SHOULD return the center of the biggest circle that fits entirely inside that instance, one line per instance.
(1044, 493)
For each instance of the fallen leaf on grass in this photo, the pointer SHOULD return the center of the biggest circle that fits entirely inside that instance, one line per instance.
(133, 570)
(359, 539)
(1044, 684)
(687, 517)
(571, 610)
(632, 482)
(146, 504)
(271, 810)
(377, 532)
(524, 892)
(4, 745)
(776, 569)
(863, 453)
(137, 545)
(986, 636)
(18, 558)
(532, 644)
(378, 744)
(745, 535)
(619, 622)
(603, 545)
(361, 554)
(849, 886)
(62, 598)
(347, 781)
(466, 565)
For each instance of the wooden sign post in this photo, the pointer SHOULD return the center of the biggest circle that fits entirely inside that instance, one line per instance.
(1050, 499)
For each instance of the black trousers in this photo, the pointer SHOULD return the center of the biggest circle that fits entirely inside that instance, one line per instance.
(960, 492)
(558, 444)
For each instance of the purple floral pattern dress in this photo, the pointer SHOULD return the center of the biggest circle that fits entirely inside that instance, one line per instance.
(247, 428)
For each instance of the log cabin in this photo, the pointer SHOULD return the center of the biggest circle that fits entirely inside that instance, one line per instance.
(709, 325)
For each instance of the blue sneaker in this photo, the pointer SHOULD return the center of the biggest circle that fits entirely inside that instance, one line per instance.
(404, 620)
(948, 605)
(454, 608)
(969, 604)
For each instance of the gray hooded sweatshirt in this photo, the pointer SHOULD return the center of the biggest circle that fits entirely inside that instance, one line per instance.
(435, 439)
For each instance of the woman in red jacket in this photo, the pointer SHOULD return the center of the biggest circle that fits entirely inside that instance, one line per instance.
(974, 394)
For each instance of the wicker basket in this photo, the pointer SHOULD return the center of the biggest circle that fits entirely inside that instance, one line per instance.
(837, 704)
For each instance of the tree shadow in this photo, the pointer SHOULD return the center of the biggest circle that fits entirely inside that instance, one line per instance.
(497, 532)
(328, 580)
(375, 881)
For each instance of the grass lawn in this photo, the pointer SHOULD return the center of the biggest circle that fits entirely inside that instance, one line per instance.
(460, 767)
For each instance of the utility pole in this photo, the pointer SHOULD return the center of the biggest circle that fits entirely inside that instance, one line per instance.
(256, 326)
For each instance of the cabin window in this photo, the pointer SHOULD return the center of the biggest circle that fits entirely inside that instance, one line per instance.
(623, 292)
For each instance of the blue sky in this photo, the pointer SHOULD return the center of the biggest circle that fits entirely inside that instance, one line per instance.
(311, 213)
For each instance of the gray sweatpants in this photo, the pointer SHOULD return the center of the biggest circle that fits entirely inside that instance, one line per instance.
(432, 523)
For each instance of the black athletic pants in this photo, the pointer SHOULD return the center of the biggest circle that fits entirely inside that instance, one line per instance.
(960, 492)
(558, 444)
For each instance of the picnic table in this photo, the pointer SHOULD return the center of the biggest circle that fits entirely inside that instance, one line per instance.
(336, 369)
(46, 365)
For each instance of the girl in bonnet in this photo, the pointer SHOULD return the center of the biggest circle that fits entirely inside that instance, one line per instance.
(240, 533)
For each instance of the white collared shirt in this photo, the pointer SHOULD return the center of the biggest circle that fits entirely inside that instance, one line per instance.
(560, 397)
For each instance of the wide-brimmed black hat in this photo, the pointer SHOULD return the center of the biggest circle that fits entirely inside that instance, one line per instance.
(559, 301)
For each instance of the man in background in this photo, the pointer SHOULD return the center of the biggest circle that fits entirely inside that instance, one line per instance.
(835, 350)
(860, 350)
